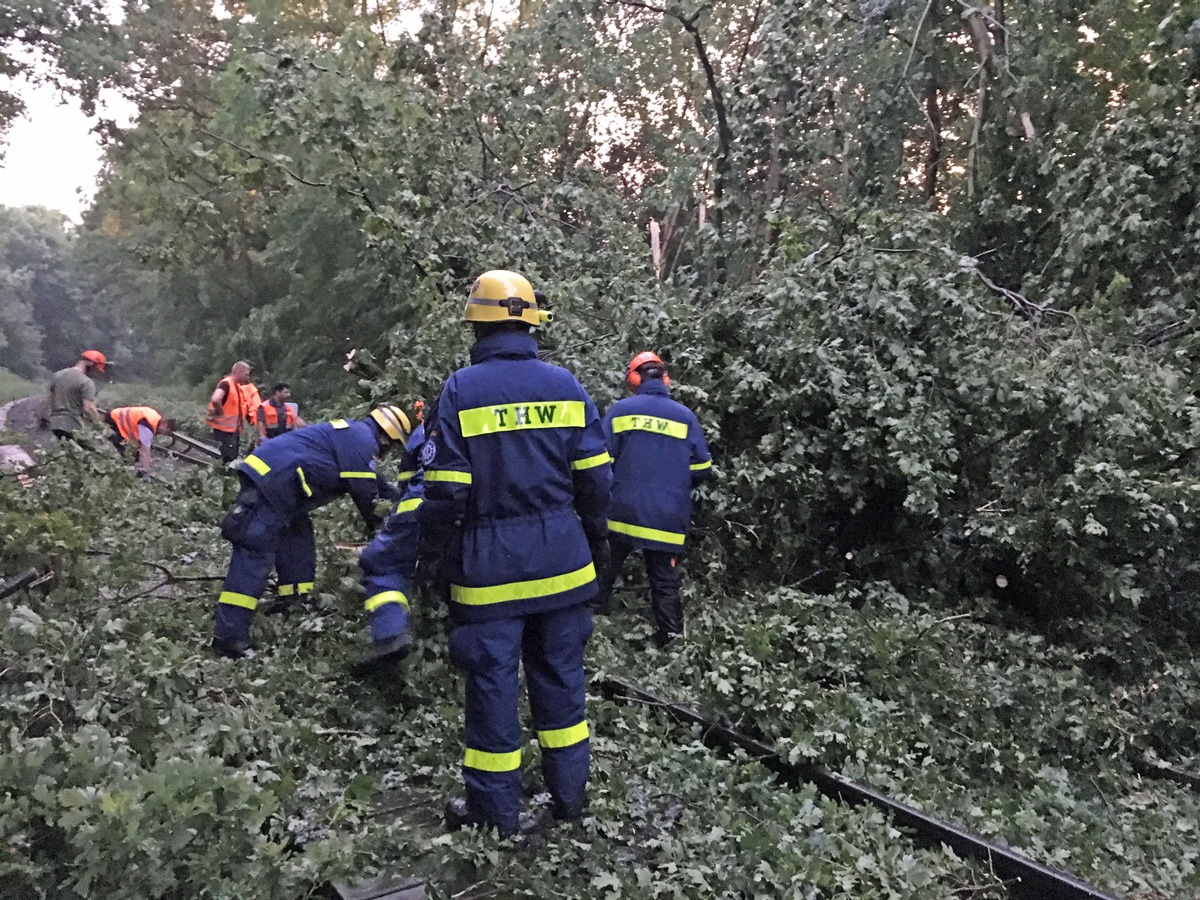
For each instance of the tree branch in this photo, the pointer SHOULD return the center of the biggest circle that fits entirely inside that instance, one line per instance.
(267, 159)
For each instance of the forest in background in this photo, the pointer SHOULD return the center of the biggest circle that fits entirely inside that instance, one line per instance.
(926, 271)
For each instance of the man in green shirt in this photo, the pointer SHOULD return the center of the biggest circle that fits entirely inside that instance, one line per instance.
(73, 394)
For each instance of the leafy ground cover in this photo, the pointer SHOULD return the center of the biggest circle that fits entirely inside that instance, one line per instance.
(13, 386)
(134, 765)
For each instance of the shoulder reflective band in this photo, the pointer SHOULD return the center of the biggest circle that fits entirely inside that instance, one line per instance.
(257, 464)
(591, 462)
(356, 474)
(522, 590)
(492, 762)
(650, 534)
(408, 505)
(519, 416)
(447, 475)
(304, 482)
(373, 603)
(563, 737)
(700, 467)
(339, 424)
(654, 424)
(232, 598)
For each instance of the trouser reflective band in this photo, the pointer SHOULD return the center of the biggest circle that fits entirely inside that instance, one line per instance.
(558, 738)
(650, 534)
(287, 590)
(232, 598)
(492, 762)
(378, 600)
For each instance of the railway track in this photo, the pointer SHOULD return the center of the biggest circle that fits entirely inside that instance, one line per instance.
(1027, 878)
(186, 448)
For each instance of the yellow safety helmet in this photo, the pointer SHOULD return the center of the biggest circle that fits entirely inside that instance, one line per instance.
(504, 296)
(393, 421)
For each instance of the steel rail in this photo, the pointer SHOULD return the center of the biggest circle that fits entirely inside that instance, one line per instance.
(190, 444)
(186, 448)
(1027, 879)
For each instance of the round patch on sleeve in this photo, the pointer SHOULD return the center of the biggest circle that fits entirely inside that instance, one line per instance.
(428, 452)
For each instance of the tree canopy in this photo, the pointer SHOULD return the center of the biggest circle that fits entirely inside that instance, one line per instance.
(927, 271)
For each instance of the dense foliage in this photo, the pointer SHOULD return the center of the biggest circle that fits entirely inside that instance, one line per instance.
(134, 765)
(927, 271)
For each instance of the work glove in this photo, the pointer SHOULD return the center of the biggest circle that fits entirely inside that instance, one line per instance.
(430, 578)
(601, 554)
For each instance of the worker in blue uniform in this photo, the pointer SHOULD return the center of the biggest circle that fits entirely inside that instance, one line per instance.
(388, 564)
(281, 483)
(659, 455)
(516, 494)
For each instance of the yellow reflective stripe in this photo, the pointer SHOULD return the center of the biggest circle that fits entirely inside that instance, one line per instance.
(408, 505)
(654, 424)
(392, 418)
(339, 424)
(448, 475)
(304, 587)
(356, 474)
(373, 603)
(591, 462)
(304, 482)
(257, 464)
(522, 590)
(558, 738)
(492, 762)
(652, 534)
(286, 590)
(700, 467)
(406, 476)
(232, 598)
(519, 416)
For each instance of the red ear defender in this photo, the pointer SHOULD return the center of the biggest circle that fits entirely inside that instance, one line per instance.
(633, 378)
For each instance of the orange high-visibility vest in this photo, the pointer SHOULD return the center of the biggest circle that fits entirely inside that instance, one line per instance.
(127, 419)
(229, 416)
(251, 401)
(269, 415)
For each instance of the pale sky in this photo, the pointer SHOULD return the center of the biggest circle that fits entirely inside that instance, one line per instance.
(51, 158)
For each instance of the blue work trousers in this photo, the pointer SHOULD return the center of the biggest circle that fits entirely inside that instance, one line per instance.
(490, 653)
(263, 538)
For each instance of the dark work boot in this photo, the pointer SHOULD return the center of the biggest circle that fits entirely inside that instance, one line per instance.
(459, 816)
(383, 657)
(233, 649)
(665, 639)
(569, 812)
(279, 606)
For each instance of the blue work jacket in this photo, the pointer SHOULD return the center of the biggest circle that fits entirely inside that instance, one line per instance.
(389, 561)
(305, 469)
(658, 453)
(516, 479)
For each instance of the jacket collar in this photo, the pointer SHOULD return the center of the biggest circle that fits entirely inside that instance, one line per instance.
(505, 345)
(654, 386)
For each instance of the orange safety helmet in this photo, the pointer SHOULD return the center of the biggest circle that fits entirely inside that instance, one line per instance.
(96, 358)
(633, 378)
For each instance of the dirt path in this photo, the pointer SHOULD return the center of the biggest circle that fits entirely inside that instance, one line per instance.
(19, 415)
